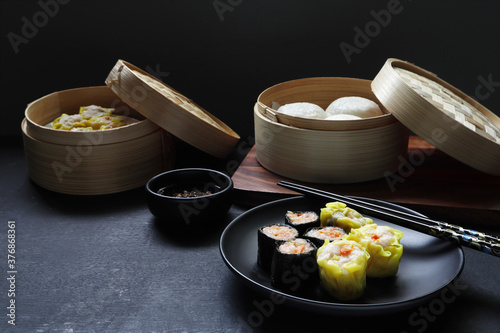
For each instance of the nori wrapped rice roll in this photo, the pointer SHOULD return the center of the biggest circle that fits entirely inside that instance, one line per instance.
(319, 234)
(294, 267)
(267, 238)
(302, 220)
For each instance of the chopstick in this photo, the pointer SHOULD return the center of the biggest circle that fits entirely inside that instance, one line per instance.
(470, 238)
(304, 189)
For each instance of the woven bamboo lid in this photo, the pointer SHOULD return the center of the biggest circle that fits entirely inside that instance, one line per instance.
(440, 114)
(171, 110)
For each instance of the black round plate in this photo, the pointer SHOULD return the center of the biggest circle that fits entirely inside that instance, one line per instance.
(428, 264)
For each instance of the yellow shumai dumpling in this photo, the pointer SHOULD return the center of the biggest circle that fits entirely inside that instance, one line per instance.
(90, 111)
(106, 122)
(342, 269)
(81, 129)
(89, 118)
(382, 243)
(338, 214)
(67, 122)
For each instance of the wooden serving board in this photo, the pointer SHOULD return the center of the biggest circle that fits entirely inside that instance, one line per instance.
(429, 181)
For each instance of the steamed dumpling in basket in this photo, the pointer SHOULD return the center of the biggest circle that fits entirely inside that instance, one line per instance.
(90, 118)
(353, 106)
(303, 110)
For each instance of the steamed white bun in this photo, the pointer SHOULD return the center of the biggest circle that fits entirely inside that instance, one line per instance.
(303, 109)
(342, 117)
(355, 106)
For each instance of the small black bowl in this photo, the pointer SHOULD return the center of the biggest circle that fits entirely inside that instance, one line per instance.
(190, 198)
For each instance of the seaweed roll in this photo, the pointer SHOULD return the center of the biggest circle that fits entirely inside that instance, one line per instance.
(294, 266)
(342, 269)
(319, 234)
(382, 243)
(302, 220)
(267, 238)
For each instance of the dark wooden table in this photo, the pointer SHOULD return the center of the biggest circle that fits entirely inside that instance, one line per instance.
(429, 181)
(104, 264)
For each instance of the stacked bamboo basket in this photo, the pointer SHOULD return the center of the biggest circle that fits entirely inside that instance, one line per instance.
(349, 151)
(122, 158)
(118, 159)
(321, 151)
(97, 162)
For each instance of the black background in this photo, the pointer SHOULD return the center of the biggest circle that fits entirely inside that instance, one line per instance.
(105, 264)
(222, 54)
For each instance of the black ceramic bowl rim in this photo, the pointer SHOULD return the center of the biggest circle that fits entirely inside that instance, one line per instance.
(227, 187)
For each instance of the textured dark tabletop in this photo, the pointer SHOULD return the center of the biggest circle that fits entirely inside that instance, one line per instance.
(104, 264)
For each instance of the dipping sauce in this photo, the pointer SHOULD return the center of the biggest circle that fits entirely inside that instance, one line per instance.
(188, 191)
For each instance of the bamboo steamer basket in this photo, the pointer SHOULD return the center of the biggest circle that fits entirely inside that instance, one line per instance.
(440, 114)
(171, 110)
(341, 151)
(97, 162)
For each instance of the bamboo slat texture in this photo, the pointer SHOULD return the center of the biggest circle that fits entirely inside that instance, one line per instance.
(344, 151)
(440, 114)
(94, 162)
(321, 90)
(171, 110)
(47, 108)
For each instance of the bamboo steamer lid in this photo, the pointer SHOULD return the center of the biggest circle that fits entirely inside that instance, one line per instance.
(440, 114)
(171, 110)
